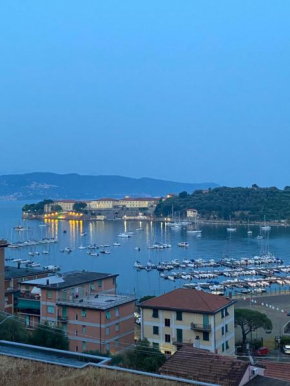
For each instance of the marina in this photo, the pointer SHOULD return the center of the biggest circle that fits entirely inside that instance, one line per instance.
(152, 257)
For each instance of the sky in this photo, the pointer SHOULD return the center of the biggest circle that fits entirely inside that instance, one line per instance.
(189, 91)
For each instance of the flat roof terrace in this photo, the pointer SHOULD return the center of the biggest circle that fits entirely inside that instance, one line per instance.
(47, 355)
(98, 301)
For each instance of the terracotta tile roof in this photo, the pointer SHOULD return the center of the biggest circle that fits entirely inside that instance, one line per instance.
(277, 370)
(106, 199)
(191, 300)
(204, 366)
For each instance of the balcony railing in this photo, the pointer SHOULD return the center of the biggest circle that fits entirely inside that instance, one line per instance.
(201, 327)
(62, 319)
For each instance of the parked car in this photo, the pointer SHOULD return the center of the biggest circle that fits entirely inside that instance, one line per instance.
(262, 351)
(286, 349)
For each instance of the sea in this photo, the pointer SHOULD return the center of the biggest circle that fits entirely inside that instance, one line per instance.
(215, 243)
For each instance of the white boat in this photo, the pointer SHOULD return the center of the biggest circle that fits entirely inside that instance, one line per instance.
(138, 265)
(137, 248)
(82, 247)
(124, 235)
(45, 252)
(17, 260)
(183, 244)
(230, 228)
(83, 234)
(34, 265)
(259, 237)
(139, 229)
(67, 249)
(116, 244)
(52, 268)
(94, 254)
(265, 227)
(195, 231)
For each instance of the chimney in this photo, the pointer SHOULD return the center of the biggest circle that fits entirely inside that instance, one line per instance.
(196, 343)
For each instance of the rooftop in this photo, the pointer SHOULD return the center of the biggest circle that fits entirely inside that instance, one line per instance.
(98, 301)
(204, 366)
(69, 279)
(190, 300)
(14, 272)
(277, 370)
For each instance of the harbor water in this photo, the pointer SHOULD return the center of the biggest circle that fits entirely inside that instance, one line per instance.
(216, 243)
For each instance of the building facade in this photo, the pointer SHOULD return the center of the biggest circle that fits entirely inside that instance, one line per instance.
(189, 316)
(85, 305)
(66, 205)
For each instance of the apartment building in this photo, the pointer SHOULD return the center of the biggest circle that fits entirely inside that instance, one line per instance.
(14, 276)
(3, 245)
(189, 316)
(103, 203)
(144, 203)
(87, 307)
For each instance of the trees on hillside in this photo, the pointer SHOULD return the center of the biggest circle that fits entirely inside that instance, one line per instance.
(13, 330)
(36, 208)
(249, 321)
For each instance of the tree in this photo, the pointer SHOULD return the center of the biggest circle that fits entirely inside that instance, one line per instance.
(250, 321)
(144, 357)
(13, 330)
(183, 194)
(79, 206)
(47, 336)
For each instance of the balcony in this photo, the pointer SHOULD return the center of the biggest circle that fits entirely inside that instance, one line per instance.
(62, 319)
(200, 327)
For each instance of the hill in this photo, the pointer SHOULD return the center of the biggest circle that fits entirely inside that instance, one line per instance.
(240, 203)
(38, 186)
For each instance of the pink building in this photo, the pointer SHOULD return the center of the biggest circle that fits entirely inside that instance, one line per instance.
(87, 307)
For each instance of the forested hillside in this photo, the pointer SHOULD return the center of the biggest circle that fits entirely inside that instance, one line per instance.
(239, 203)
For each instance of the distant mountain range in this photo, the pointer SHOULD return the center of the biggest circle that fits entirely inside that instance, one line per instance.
(38, 186)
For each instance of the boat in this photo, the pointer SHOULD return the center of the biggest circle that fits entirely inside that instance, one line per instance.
(45, 252)
(195, 230)
(183, 244)
(124, 235)
(139, 229)
(265, 227)
(94, 254)
(20, 228)
(249, 232)
(53, 268)
(137, 249)
(116, 244)
(83, 234)
(138, 265)
(230, 228)
(67, 249)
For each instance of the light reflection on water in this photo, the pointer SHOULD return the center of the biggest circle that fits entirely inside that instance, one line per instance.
(215, 243)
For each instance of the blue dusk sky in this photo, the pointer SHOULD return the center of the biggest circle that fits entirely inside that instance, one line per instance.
(185, 90)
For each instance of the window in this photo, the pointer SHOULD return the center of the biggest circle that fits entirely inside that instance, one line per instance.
(117, 327)
(178, 315)
(84, 346)
(64, 327)
(167, 352)
(227, 345)
(223, 330)
(108, 315)
(179, 335)
(100, 283)
(49, 294)
(155, 345)
(77, 316)
(155, 314)
(117, 312)
(76, 332)
(114, 281)
(84, 313)
(223, 347)
(108, 346)
(117, 343)
(155, 330)
(223, 313)
(84, 329)
(205, 336)
(227, 330)
(27, 320)
(107, 330)
(167, 338)
(50, 309)
(205, 319)
(167, 322)
(226, 311)
(77, 348)
(92, 287)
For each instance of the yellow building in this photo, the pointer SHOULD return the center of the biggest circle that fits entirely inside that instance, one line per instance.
(66, 205)
(189, 316)
(102, 203)
(191, 213)
(138, 202)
